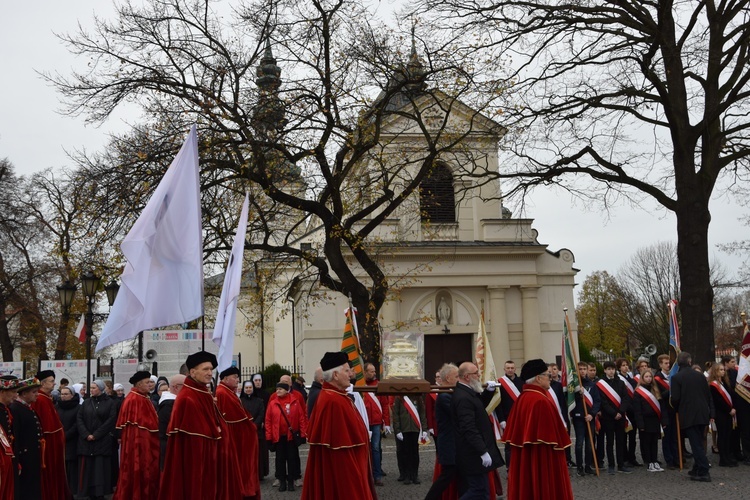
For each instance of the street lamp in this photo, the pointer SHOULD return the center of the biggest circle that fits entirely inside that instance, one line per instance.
(294, 336)
(89, 284)
(66, 291)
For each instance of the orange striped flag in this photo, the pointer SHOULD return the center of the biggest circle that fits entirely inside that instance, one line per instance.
(350, 345)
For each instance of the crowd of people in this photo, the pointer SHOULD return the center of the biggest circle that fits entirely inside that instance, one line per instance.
(64, 442)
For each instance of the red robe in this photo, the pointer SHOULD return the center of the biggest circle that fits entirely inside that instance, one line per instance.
(243, 436)
(190, 466)
(337, 438)
(7, 476)
(54, 481)
(139, 449)
(538, 467)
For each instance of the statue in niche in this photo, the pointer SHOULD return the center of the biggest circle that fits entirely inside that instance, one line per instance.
(443, 312)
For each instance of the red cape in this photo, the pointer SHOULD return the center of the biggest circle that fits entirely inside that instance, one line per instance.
(337, 436)
(451, 492)
(7, 476)
(190, 467)
(243, 436)
(139, 449)
(538, 468)
(54, 482)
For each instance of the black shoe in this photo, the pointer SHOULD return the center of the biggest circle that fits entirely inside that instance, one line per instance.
(589, 470)
(703, 479)
(400, 478)
(580, 472)
(282, 485)
(624, 470)
(416, 480)
(384, 474)
(636, 463)
(291, 486)
(571, 465)
(692, 473)
(687, 454)
(407, 481)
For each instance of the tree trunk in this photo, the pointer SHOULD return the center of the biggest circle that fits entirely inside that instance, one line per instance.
(696, 292)
(62, 337)
(5, 343)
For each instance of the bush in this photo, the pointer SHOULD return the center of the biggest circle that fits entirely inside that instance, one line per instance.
(272, 374)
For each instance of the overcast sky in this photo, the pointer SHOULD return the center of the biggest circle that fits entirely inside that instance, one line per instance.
(33, 136)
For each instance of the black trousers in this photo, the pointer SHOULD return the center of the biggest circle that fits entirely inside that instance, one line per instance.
(724, 437)
(630, 440)
(287, 460)
(446, 477)
(410, 455)
(613, 433)
(649, 446)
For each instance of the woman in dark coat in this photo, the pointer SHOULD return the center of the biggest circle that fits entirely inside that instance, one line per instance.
(96, 424)
(259, 391)
(254, 405)
(67, 408)
(650, 417)
(724, 414)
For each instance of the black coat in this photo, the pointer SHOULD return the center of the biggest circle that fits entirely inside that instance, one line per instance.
(474, 435)
(255, 407)
(446, 452)
(68, 411)
(506, 402)
(164, 413)
(609, 409)
(27, 432)
(312, 397)
(97, 416)
(691, 398)
(646, 418)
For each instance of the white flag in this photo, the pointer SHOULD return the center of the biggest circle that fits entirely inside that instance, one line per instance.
(162, 283)
(227, 313)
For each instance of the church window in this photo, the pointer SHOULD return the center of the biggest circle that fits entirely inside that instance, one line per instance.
(437, 199)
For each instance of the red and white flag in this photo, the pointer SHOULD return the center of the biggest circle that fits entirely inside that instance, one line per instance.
(81, 329)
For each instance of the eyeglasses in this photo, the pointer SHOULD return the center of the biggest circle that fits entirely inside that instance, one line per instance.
(548, 375)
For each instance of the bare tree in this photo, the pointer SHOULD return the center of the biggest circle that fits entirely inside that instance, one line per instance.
(625, 100)
(328, 154)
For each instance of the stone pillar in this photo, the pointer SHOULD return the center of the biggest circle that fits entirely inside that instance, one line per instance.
(532, 332)
(389, 313)
(499, 340)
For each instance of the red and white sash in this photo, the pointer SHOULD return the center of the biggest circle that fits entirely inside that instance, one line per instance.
(587, 397)
(627, 385)
(637, 377)
(496, 427)
(413, 413)
(723, 392)
(650, 399)
(553, 397)
(610, 392)
(376, 400)
(663, 381)
(509, 387)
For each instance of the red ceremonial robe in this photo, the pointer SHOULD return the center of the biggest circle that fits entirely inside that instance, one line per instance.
(190, 466)
(139, 449)
(538, 467)
(243, 436)
(338, 464)
(7, 476)
(54, 481)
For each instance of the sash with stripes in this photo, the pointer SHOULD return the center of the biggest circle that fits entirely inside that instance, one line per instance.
(637, 377)
(553, 397)
(587, 397)
(509, 387)
(663, 381)
(496, 429)
(609, 391)
(413, 413)
(376, 400)
(723, 392)
(650, 399)
(627, 385)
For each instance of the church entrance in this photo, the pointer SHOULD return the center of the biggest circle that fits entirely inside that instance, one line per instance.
(446, 348)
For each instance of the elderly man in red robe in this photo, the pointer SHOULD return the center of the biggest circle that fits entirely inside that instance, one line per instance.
(8, 386)
(538, 467)
(242, 432)
(197, 465)
(338, 439)
(139, 456)
(54, 481)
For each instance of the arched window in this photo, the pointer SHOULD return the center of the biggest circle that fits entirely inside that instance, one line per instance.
(437, 201)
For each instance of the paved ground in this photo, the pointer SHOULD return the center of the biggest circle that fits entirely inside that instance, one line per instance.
(727, 482)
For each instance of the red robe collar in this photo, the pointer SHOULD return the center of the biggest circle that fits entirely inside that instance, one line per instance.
(195, 412)
(230, 405)
(138, 410)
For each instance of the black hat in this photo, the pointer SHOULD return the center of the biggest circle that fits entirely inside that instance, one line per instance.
(532, 368)
(138, 376)
(333, 360)
(8, 382)
(232, 370)
(199, 358)
(44, 374)
(283, 386)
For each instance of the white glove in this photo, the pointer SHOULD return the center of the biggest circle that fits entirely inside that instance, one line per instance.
(388, 430)
(503, 424)
(400, 436)
(424, 437)
(491, 385)
(431, 431)
(486, 460)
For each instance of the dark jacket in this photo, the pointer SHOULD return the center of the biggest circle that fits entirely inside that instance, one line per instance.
(97, 416)
(68, 411)
(312, 397)
(255, 407)
(474, 436)
(691, 398)
(164, 412)
(578, 411)
(646, 419)
(27, 433)
(446, 452)
(609, 408)
(506, 402)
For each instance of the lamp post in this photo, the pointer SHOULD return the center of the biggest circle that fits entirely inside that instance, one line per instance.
(294, 336)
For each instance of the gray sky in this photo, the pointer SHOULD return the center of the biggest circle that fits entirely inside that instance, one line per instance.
(33, 136)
